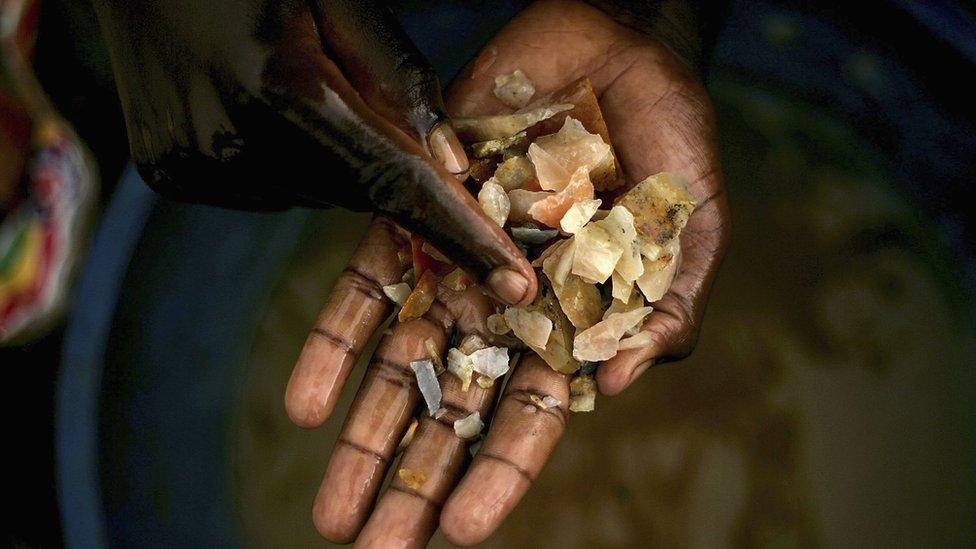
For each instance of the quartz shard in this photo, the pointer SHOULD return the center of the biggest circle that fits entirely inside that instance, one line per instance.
(471, 343)
(661, 205)
(558, 350)
(469, 427)
(559, 262)
(491, 362)
(456, 280)
(579, 301)
(494, 202)
(505, 145)
(619, 224)
(434, 355)
(551, 174)
(550, 401)
(545, 402)
(398, 293)
(659, 273)
(522, 201)
(461, 366)
(514, 173)
(427, 383)
(531, 235)
(532, 327)
(497, 324)
(571, 148)
(421, 298)
(514, 90)
(551, 209)
(579, 214)
(408, 436)
(597, 252)
(640, 339)
(487, 128)
(582, 394)
(602, 340)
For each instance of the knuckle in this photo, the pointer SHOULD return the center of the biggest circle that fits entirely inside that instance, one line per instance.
(393, 371)
(676, 331)
(419, 81)
(421, 95)
(356, 280)
(686, 330)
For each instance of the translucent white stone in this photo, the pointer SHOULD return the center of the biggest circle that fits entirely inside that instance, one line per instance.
(602, 340)
(532, 327)
(579, 214)
(398, 293)
(514, 90)
(491, 362)
(469, 427)
(494, 202)
(430, 388)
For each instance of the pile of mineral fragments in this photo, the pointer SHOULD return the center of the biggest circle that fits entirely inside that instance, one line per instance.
(603, 253)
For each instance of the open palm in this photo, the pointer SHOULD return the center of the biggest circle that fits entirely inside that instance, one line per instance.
(659, 119)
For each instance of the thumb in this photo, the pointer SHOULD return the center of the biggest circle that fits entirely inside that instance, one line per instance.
(389, 72)
(445, 214)
(395, 98)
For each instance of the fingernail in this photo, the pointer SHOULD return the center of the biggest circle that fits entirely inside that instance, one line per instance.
(640, 370)
(508, 285)
(447, 149)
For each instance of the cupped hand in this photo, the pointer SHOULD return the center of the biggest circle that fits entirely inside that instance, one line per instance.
(265, 105)
(659, 119)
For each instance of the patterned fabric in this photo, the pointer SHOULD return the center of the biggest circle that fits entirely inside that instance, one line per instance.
(47, 189)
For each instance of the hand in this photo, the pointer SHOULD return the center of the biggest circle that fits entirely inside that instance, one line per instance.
(236, 103)
(660, 119)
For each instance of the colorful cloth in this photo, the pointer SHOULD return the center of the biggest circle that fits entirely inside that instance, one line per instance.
(47, 189)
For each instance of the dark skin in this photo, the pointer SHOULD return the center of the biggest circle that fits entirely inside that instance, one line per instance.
(237, 102)
(241, 102)
(660, 119)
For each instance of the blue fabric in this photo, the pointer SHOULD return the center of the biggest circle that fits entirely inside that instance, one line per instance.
(164, 312)
(80, 378)
(179, 339)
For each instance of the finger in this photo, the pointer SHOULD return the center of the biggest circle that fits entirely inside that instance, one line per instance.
(354, 310)
(662, 120)
(686, 147)
(385, 67)
(384, 168)
(382, 408)
(378, 418)
(520, 441)
(676, 320)
(406, 515)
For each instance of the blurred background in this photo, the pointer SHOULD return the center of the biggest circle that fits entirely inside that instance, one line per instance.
(830, 401)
